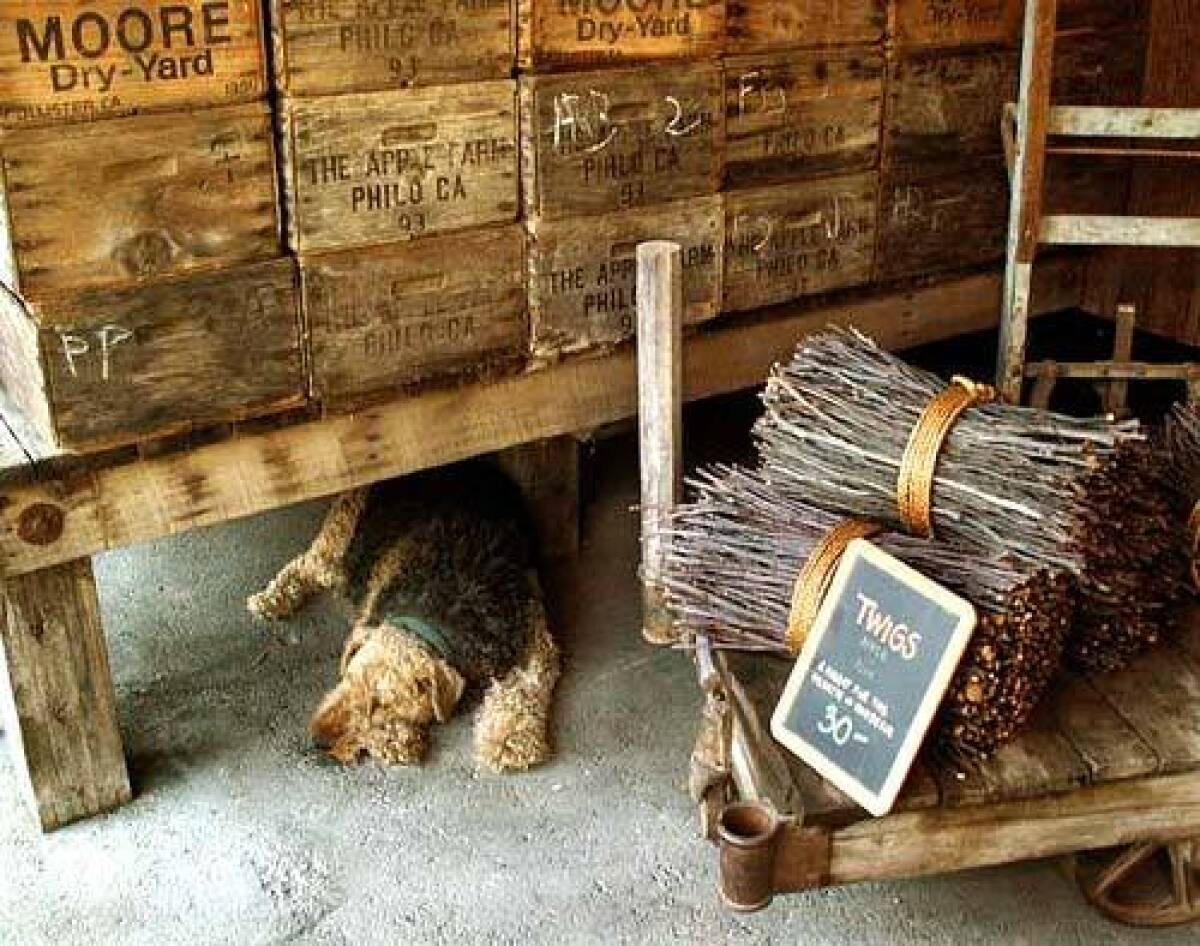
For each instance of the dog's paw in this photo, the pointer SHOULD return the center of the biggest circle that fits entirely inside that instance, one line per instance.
(508, 741)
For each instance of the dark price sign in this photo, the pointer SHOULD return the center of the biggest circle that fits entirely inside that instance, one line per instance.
(873, 670)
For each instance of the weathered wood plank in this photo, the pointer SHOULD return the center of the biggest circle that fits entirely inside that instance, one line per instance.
(806, 114)
(341, 46)
(69, 62)
(581, 272)
(116, 202)
(1041, 761)
(1159, 697)
(945, 105)
(1101, 230)
(956, 22)
(59, 708)
(121, 365)
(558, 35)
(915, 844)
(1110, 748)
(11, 453)
(937, 218)
(378, 167)
(787, 241)
(596, 142)
(113, 507)
(390, 316)
(1106, 122)
(765, 25)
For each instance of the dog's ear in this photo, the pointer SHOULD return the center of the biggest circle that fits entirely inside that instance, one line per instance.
(331, 722)
(448, 686)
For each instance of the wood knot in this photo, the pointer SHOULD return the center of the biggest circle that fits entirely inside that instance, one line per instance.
(145, 254)
(41, 524)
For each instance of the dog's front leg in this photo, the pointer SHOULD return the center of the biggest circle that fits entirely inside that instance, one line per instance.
(320, 568)
(512, 731)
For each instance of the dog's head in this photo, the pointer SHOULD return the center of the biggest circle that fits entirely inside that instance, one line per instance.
(391, 689)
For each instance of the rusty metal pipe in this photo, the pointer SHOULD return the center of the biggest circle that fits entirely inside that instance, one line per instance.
(746, 835)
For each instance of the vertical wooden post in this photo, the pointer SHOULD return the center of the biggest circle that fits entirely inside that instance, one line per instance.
(1025, 215)
(660, 412)
(59, 709)
(548, 473)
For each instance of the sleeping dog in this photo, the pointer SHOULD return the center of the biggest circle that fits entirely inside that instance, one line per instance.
(447, 598)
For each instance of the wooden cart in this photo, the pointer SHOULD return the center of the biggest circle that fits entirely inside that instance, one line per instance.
(1111, 762)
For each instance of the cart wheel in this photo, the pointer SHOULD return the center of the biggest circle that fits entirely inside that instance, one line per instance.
(1144, 884)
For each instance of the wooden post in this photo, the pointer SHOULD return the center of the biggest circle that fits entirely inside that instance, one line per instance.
(1024, 225)
(59, 709)
(548, 473)
(660, 412)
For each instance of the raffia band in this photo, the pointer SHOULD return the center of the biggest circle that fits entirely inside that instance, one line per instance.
(817, 574)
(1194, 532)
(914, 486)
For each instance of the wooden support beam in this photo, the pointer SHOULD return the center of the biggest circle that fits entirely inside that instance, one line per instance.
(59, 711)
(548, 473)
(660, 415)
(107, 508)
(1102, 121)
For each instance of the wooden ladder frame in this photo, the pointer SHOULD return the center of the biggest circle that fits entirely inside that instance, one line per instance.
(1028, 126)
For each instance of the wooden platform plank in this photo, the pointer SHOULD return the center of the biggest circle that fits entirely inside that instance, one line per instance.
(920, 843)
(1109, 747)
(1159, 696)
(1042, 761)
(119, 506)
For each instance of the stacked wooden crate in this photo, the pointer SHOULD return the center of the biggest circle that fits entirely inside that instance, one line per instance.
(622, 141)
(944, 200)
(144, 285)
(398, 150)
(804, 89)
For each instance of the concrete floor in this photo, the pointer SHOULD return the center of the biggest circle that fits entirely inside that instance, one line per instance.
(241, 834)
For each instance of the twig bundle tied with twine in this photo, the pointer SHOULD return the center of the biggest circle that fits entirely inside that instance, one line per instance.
(734, 554)
(1042, 491)
(1183, 446)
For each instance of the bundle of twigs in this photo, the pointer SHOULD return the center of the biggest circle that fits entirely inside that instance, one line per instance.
(733, 554)
(1183, 446)
(1040, 490)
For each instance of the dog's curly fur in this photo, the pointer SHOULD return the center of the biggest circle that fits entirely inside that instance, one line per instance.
(441, 573)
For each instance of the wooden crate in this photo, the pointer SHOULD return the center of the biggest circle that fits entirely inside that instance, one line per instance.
(577, 34)
(596, 142)
(98, 367)
(581, 272)
(324, 47)
(109, 203)
(390, 316)
(802, 114)
(946, 105)
(792, 240)
(64, 61)
(385, 166)
(941, 217)
(956, 22)
(767, 25)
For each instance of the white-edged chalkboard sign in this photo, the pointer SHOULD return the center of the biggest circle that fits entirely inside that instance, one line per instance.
(872, 672)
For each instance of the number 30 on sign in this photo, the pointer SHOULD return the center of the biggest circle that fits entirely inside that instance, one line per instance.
(873, 670)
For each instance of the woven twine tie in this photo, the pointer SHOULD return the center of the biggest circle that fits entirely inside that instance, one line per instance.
(817, 575)
(1194, 532)
(914, 486)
